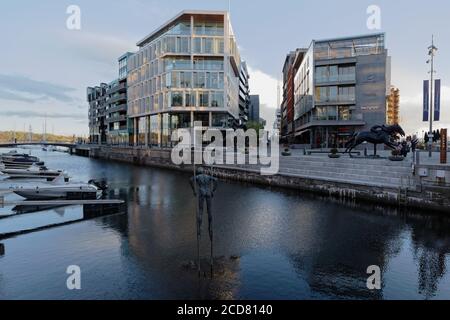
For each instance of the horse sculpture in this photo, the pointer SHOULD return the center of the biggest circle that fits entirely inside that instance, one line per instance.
(377, 135)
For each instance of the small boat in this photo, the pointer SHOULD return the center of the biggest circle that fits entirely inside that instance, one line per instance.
(20, 165)
(59, 189)
(19, 159)
(33, 172)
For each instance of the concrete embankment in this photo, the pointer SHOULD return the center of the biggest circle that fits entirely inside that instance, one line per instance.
(377, 180)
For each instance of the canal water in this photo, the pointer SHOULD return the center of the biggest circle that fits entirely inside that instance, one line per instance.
(269, 244)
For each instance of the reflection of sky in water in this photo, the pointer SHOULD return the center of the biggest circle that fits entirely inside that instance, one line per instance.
(34, 220)
(288, 245)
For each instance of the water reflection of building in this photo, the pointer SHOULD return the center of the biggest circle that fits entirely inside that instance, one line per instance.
(335, 267)
(431, 244)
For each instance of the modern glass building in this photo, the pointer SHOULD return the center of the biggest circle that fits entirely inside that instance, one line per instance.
(340, 87)
(186, 70)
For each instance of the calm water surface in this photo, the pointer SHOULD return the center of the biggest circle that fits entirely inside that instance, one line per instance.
(269, 244)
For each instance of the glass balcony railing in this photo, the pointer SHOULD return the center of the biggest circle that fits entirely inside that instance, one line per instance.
(341, 77)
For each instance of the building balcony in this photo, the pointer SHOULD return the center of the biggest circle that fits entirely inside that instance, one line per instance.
(122, 87)
(340, 79)
(117, 98)
(117, 118)
(116, 108)
(342, 99)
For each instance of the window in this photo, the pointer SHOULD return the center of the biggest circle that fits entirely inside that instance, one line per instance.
(207, 45)
(220, 80)
(183, 45)
(321, 113)
(344, 113)
(333, 73)
(219, 46)
(332, 113)
(346, 93)
(332, 93)
(185, 79)
(203, 97)
(197, 45)
(199, 80)
(217, 99)
(190, 99)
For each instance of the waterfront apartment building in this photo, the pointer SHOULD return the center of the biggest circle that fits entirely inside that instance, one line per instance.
(393, 106)
(96, 96)
(186, 70)
(108, 121)
(118, 130)
(340, 87)
(244, 96)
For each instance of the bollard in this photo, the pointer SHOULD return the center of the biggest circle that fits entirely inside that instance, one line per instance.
(2, 249)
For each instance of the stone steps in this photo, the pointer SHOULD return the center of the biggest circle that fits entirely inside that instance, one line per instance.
(374, 172)
(349, 177)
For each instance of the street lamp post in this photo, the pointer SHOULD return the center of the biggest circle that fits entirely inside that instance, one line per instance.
(431, 52)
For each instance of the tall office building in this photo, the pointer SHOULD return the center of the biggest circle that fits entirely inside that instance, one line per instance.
(393, 106)
(186, 70)
(254, 108)
(340, 87)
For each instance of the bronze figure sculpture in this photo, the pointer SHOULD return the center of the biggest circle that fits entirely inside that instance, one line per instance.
(387, 135)
(204, 186)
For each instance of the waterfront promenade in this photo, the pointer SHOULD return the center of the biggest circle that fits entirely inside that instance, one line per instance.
(403, 183)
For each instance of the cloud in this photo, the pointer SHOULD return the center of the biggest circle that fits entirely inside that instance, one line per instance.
(38, 114)
(21, 88)
(10, 95)
(411, 112)
(265, 86)
(96, 47)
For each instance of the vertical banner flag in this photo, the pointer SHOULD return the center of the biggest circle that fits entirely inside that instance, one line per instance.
(426, 99)
(437, 100)
(443, 146)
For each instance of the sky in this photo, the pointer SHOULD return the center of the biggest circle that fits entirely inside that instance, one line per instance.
(45, 67)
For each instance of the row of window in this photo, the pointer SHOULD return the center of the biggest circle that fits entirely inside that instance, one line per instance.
(200, 28)
(341, 113)
(335, 73)
(180, 98)
(157, 67)
(171, 44)
(335, 93)
(177, 79)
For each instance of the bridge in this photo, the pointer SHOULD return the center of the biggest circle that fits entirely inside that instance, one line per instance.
(18, 144)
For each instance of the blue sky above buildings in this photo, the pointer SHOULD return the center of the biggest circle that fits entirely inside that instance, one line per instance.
(45, 68)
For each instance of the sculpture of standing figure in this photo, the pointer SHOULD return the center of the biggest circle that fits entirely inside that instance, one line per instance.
(204, 186)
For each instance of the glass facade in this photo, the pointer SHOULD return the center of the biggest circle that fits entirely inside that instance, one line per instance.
(329, 96)
(186, 70)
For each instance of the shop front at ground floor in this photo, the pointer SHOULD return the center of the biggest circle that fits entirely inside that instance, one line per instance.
(156, 130)
(325, 136)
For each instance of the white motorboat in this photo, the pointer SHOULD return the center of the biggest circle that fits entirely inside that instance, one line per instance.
(33, 172)
(59, 189)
